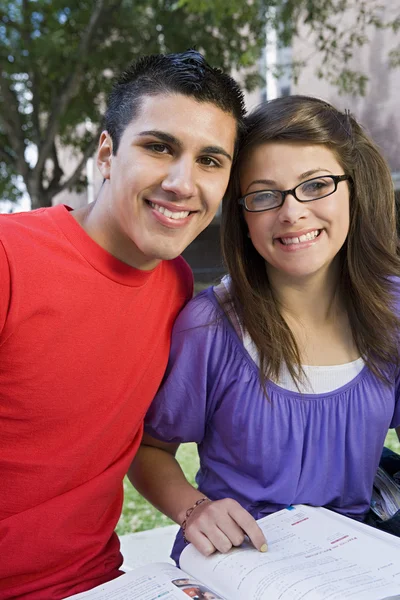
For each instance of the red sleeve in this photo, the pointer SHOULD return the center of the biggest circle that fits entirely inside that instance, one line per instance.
(5, 283)
(190, 283)
(187, 274)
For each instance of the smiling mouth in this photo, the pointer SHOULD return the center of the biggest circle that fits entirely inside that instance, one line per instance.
(168, 213)
(307, 237)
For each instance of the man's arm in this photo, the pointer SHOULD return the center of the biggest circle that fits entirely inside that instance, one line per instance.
(398, 432)
(218, 525)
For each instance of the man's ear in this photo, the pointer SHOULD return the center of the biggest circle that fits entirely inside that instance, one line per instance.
(104, 154)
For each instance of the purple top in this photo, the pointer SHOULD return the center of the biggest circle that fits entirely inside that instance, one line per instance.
(318, 449)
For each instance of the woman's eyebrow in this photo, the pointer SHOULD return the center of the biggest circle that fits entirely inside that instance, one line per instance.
(273, 185)
(267, 182)
(313, 172)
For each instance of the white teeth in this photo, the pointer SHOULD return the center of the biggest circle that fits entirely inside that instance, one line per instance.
(171, 215)
(307, 237)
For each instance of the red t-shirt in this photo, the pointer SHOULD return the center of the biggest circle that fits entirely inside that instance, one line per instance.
(84, 342)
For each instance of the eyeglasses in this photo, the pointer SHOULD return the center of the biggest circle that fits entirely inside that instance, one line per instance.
(312, 189)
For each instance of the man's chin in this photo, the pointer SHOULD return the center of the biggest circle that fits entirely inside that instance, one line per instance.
(165, 253)
(170, 254)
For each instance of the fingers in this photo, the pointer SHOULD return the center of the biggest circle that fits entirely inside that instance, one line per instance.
(201, 542)
(209, 536)
(223, 533)
(222, 524)
(249, 525)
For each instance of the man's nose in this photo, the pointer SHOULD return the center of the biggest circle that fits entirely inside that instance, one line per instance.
(180, 179)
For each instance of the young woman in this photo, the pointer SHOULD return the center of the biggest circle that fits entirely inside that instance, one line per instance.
(287, 374)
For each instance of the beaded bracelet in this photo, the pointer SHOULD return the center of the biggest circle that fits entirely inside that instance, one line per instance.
(189, 512)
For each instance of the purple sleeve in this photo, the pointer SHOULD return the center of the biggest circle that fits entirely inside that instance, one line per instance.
(396, 414)
(182, 405)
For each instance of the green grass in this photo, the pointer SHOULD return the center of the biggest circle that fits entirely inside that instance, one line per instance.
(139, 515)
(392, 441)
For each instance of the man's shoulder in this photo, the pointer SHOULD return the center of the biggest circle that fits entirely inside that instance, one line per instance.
(180, 266)
(28, 239)
(29, 220)
(179, 271)
(20, 217)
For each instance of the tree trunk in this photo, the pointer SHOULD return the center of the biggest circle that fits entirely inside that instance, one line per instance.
(39, 199)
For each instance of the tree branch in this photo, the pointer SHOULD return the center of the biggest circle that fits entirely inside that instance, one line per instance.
(35, 108)
(12, 123)
(7, 157)
(57, 170)
(26, 22)
(69, 86)
(55, 188)
(33, 73)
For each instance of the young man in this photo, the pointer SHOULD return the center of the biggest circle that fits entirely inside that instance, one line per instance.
(88, 298)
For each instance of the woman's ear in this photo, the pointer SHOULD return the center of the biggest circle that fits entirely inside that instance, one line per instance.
(104, 154)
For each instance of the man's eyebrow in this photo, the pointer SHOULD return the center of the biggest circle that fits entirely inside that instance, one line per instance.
(273, 185)
(171, 139)
(162, 135)
(216, 150)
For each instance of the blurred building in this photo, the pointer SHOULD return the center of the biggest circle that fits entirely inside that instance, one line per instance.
(377, 111)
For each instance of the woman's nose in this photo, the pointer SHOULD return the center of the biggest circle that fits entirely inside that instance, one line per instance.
(292, 210)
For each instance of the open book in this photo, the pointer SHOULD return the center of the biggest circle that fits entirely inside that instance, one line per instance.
(313, 554)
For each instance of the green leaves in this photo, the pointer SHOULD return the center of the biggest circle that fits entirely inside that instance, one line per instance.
(58, 58)
(394, 57)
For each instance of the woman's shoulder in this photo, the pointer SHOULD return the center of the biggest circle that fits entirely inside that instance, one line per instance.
(203, 328)
(201, 311)
(395, 281)
(395, 291)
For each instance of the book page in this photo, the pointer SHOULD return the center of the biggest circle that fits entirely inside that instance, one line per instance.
(151, 582)
(314, 554)
(144, 547)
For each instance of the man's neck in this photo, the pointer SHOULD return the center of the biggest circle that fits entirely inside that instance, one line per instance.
(97, 220)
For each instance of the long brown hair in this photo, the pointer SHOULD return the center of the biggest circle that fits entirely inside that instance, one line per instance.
(368, 259)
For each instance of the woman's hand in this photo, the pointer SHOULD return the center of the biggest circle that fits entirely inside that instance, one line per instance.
(221, 524)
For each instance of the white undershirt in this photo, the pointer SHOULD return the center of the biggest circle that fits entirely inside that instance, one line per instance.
(318, 380)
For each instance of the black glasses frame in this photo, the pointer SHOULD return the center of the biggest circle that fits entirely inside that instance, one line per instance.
(336, 179)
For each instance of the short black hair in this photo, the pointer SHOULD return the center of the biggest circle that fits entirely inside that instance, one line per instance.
(185, 73)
